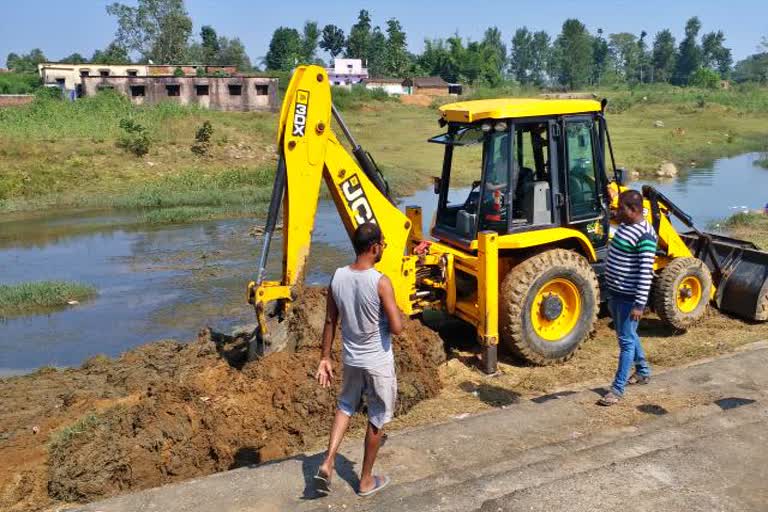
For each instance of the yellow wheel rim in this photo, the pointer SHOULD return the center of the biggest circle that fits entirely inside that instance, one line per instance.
(555, 309)
(689, 294)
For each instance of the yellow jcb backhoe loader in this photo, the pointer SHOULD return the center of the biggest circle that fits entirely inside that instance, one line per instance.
(521, 253)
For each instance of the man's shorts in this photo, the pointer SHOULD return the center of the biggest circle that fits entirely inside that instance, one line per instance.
(378, 385)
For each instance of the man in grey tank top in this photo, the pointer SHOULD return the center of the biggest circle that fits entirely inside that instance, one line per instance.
(364, 299)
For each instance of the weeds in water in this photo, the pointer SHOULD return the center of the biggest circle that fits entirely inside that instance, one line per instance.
(18, 299)
(64, 436)
(194, 188)
(183, 214)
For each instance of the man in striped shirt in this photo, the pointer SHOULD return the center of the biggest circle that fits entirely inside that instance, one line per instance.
(628, 279)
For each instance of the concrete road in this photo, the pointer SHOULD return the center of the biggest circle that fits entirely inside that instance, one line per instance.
(694, 439)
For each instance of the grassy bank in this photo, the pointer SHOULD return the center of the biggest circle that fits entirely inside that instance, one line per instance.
(56, 154)
(749, 226)
(38, 296)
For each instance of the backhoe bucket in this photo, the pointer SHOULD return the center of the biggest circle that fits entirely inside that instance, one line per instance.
(739, 271)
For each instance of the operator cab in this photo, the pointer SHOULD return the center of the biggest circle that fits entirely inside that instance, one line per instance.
(529, 172)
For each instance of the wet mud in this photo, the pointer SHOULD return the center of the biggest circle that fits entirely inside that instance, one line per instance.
(169, 411)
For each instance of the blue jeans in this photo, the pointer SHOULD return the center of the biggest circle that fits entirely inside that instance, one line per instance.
(630, 350)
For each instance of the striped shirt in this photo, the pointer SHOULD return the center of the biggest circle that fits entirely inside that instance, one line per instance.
(629, 267)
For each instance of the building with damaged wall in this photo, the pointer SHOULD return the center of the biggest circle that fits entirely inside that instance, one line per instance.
(233, 94)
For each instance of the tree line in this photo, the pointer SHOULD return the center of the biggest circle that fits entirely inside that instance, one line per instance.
(160, 31)
(572, 59)
(157, 31)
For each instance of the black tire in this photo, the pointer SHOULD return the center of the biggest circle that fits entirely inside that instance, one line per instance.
(518, 291)
(666, 289)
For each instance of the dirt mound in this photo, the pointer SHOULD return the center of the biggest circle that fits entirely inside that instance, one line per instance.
(169, 411)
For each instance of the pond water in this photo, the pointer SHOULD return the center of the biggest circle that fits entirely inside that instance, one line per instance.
(711, 193)
(168, 282)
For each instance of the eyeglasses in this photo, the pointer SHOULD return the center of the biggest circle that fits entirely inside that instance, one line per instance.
(383, 244)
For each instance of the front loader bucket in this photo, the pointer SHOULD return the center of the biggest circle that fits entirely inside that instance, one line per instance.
(739, 271)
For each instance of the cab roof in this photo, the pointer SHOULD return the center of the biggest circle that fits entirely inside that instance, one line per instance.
(506, 108)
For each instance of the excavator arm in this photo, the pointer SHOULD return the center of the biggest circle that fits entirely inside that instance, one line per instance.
(309, 152)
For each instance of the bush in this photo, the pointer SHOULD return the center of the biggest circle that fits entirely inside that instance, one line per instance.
(202, 145)
(19, 83)
(178, 72)
(358, 95)
(134, 138)
(706, 79)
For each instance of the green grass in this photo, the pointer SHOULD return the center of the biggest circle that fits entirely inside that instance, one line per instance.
(19, 83)
(33, 297)
(56, 154)
(749, 226)
(62, 437)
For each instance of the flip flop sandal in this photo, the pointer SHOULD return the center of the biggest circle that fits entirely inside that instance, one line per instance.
(381, 482)
(322, 483)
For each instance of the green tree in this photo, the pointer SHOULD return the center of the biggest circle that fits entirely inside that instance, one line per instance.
(689, 55)
(600, 57)
(436, 60)
(521, 55)
(333, 40)
(397, 60)
(74, 58)
(624, 53)
(284, 49)
(573, 55)
(27, 62)
(232, 53)
(541, 57)
(663, 57)
(210, 44)
(377, 53)
(159, 30)
(494, 56)
(643, 59)
(309, 41)
(752, 69)
(359, 41)
(714, 54)
(114, 53)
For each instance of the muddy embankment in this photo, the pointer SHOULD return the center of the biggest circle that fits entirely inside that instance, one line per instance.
(168, 411)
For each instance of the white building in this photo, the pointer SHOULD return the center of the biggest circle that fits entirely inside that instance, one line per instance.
(391, 86)
(346, 72)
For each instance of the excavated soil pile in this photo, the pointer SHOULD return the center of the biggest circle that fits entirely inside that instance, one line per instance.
(169, 411)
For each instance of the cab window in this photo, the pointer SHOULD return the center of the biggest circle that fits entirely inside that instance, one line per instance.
(583, 196)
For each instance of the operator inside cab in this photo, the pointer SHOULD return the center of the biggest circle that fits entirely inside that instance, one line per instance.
(514, 187)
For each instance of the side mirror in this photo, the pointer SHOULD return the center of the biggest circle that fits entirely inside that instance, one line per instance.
(437, 183)
(622, 177)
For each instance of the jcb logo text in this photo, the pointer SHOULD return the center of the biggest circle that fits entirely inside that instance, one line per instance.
(357, 201)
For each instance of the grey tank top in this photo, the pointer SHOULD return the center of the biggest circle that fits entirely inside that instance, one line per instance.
(365, 336)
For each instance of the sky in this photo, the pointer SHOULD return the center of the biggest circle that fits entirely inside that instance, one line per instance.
(60, 28)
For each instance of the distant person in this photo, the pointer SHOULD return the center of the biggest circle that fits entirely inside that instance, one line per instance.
(628, 278)
(365, 300)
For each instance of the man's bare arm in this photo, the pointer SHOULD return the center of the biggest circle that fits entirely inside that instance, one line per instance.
(324, 373)
(387, 297)
(329, 327)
